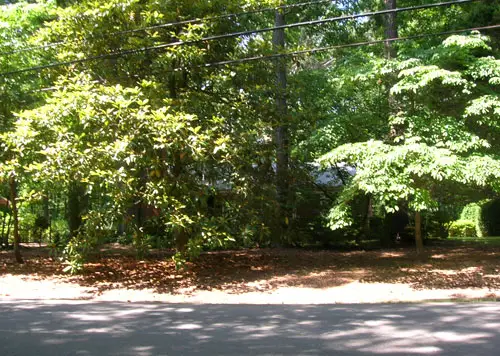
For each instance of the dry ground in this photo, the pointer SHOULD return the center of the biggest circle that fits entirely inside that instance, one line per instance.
(263, 276)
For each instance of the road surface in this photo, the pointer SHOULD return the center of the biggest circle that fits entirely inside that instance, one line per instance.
(107, 328)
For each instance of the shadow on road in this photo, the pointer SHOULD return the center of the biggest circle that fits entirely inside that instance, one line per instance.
(79, 328)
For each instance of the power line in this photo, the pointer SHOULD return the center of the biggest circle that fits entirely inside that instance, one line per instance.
(177, 23)
(330, 48)
(231, 35)
(225, 16)
(318, 49)
(268, 29)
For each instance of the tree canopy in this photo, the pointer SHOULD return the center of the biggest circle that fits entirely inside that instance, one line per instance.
(172, 121)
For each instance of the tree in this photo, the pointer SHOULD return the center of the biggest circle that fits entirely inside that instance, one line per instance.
(440, 94)
(184, 89)
(18, 23)
(157, 134)
(105, 138)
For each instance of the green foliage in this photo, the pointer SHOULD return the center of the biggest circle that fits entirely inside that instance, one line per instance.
(433, 142)
(125, 239)
(474, 212)
(462, 228)
(179, 260)
(484, 215)
(75, 253)
(437, 222)
(108, 139)
(139, 144)
(18, 24)
(60, 231)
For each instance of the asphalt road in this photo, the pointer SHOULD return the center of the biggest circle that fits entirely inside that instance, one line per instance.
(107, 328)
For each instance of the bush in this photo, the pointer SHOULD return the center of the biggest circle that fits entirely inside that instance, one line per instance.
(485, 215)
(462, 228)
(474, 212)
(60, 231)
(125, 239)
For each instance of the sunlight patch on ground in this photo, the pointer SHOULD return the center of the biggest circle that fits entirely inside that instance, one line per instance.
(392, 254)
(450, 336)
(425, 350)
(187, 326)
(143, 350)
(99, 330)
(89, 317)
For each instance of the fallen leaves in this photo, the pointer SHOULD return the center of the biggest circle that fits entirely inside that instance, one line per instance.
(266, 270)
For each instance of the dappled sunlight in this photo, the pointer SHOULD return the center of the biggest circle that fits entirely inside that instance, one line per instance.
(392, 254)
(324, 279)
(455, 337)
(255, 330)
(143, 350)
(265, 276)
(87, 317)
(187, 326)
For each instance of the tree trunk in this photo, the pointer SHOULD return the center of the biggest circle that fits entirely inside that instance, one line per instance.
(121, 226)
(367, 220)
(391, 31)
(45, 202)
(4, 238)
(15, 217)
(8, 231)
(75, 206)
(281, 130)
(391, 28)
(46, 217)
(418, 232)
(181, 234)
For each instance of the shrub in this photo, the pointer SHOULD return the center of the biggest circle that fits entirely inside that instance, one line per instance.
(125, 239)
(474, 212)
(485, 215)
(462, 228)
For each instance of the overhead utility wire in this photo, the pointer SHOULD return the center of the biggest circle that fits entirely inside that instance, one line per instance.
(229, 35)
(313, 50)
(225, 16)
(177, 23)
(318, 49)
(330, 48)
(256, 11)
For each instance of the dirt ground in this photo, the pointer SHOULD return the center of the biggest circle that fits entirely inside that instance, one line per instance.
(264, 276)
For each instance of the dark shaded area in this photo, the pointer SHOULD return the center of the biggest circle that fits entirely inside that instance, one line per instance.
(167, 329)
(491, 217)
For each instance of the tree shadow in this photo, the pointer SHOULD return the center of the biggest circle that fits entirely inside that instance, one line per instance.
(165, 329)
(268, 269)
